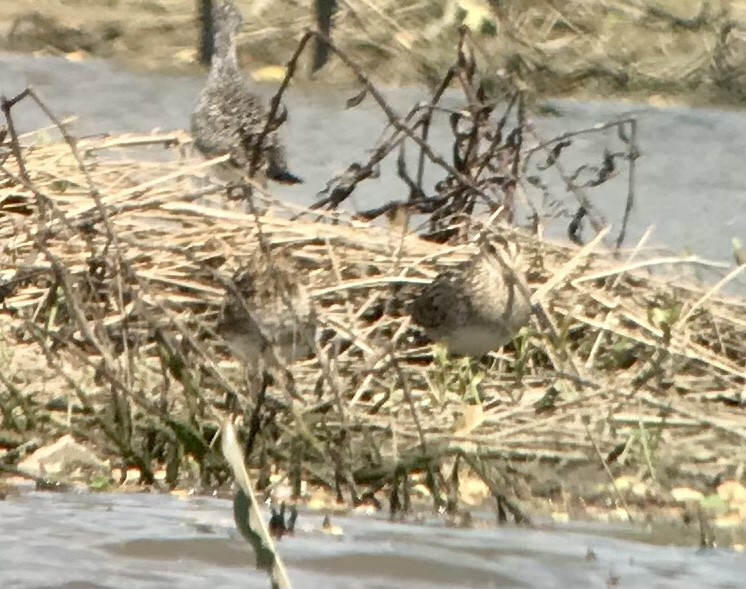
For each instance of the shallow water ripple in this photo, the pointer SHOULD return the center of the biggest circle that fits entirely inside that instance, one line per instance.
(142, 541)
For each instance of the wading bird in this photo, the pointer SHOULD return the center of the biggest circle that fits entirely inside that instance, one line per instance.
(229, 117)
(479, 306)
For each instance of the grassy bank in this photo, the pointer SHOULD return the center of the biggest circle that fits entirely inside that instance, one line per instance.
(692, 52)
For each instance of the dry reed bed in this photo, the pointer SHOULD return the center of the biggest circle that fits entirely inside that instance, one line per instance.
(121, 324)
(579, 45)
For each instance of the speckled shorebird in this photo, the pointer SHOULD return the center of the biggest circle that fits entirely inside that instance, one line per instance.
(477, 307)
(273, 312)
(229, 117)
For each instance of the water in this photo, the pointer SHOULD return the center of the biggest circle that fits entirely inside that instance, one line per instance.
(140, 541)
(691, 182)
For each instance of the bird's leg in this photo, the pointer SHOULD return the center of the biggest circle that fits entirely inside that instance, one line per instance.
(474, 374)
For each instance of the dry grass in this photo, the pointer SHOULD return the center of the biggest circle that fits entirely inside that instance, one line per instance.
(693, 49)
(116, 316)
(119, 250)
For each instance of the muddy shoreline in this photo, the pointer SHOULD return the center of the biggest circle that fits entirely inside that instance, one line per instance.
(148, 447)
(667, 454)
(659, 52)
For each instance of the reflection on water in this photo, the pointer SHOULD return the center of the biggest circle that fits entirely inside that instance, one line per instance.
(691, 182)
(146, 541)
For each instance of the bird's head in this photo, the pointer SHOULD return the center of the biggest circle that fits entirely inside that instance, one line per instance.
(227, 17)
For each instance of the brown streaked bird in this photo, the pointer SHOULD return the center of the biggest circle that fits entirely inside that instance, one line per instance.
(274, 312)
(477, 307)
(229, 117)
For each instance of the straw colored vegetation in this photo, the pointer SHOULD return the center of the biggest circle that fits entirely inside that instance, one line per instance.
(692, 49)
(118, 252)
(116, 318)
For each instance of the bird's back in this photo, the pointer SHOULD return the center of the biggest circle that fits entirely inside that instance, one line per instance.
(273, 309)
(227, 116)
(475, 308)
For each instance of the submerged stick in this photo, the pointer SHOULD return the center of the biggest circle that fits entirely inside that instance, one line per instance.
(247, 514)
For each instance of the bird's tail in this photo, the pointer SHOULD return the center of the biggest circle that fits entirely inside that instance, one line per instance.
(283, 176)
(277, 168)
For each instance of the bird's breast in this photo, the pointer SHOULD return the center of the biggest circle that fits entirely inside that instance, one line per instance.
(476, 340)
